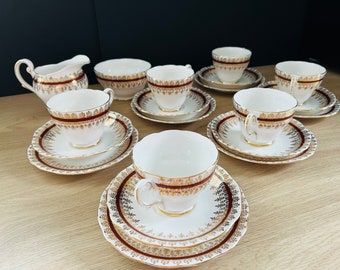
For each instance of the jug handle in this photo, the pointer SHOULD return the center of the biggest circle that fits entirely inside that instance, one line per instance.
(29, 69)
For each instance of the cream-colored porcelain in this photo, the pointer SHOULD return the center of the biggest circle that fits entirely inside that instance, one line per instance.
(125, 76)
(217, 209)
(80, 115)
(170, 85)
(263, 113)
(230, 62)
(49, 80)
(299, 78)
(174, 167)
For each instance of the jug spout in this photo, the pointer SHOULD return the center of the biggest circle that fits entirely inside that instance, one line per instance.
(79, 60)
(72, 65)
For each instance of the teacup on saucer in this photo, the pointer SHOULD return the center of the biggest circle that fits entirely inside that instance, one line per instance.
(320, 102)
(50, 142)
(219, 206)
(294, 140)
(196, 103)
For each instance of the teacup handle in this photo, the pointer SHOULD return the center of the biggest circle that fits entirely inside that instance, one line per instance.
(111, 94)
(29, 69)
(251, 124)
(147, 189)
(293, 81)
(110, 120)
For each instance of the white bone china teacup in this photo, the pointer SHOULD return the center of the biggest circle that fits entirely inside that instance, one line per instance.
(174, 167)
(81, 114)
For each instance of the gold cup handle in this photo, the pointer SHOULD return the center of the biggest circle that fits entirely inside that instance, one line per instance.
(293, 81)
(251, 124)
(146, 193)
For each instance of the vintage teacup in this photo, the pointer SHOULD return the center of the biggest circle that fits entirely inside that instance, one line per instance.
(52, 79)
(230, 62)
(299, 78)
(174, 167)
(263, 113)
(170, 85)
(81, 114)
(125, 76)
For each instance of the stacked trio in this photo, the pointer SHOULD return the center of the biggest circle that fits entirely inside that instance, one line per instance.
(83, 135)
(149, 217)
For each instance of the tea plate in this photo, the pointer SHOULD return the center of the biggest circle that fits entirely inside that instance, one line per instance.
(320, 102)
(163, 257)
(217, 208)
(302, 156)
(206, 77)
(293, 140)
(83, 165)
(196, 101)
(180, 119)
(48, 140)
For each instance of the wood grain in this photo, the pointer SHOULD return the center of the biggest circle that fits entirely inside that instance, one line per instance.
(49, 221)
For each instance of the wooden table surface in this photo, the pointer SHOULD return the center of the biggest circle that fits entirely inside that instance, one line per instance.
(49, 221)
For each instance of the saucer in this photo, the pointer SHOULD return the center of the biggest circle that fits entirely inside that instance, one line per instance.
(319, 103)
(292, 141)
(167, 257)
(180, 119)
(217, 208)
(195, 104)
(330, 112)
(206, 77)
(83, 165)
(48, 140)
(302, 156)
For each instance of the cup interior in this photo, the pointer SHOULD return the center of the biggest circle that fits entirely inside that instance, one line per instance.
(77, 100)
(174, 153)
(300, 68)
(231, 52)
(170, 72)
(122, 66)
(264, 100)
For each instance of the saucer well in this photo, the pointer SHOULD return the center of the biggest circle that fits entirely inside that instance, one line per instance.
(319, 103)
(294, 139)
(302, 156)
(48, 140)
(168, 257)
(216, 210)
(206, 77)
(83, 165)
(195, 104)
(180, 119)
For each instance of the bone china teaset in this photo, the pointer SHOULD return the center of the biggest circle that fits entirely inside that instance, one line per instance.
(174, 206)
